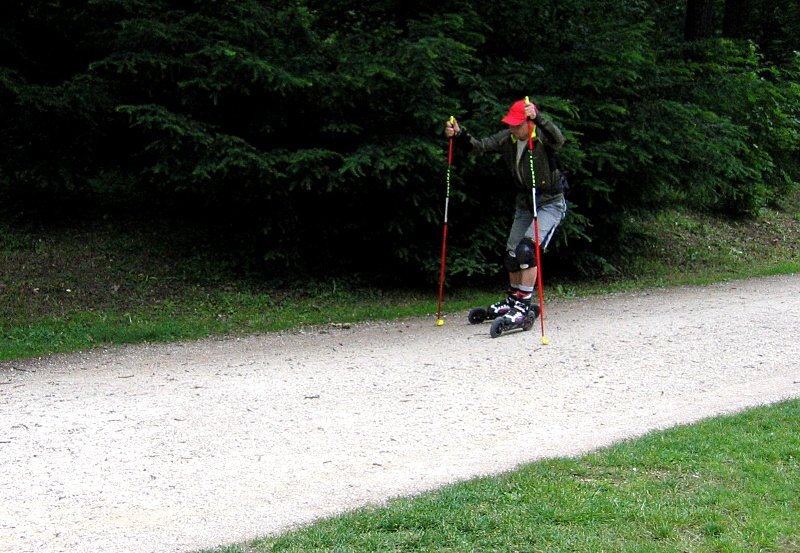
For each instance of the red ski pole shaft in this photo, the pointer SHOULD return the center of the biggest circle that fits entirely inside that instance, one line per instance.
(536, 228)
(439, 320)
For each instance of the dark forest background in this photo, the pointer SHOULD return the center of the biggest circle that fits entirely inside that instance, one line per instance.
(305, 137)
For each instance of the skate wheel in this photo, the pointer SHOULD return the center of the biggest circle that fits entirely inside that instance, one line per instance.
(530, 318)
(497, 328)
(477, 315)
(527, 324)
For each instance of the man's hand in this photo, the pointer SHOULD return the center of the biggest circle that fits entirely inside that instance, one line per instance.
(531, 111)
(451, 128)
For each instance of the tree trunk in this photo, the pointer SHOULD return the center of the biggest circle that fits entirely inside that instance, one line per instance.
(733, 21)
(699, 19)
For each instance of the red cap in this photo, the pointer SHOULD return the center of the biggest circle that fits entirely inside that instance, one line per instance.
(516, 114)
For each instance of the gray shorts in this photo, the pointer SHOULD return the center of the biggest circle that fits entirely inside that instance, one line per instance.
(550, 214)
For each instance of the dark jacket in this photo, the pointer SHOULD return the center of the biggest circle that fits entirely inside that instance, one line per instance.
(547, 140)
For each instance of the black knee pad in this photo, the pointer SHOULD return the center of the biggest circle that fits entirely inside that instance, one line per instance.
(526, 254)
(511, 263)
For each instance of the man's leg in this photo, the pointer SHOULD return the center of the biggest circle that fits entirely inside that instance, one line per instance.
(527, 279)
(521, 246)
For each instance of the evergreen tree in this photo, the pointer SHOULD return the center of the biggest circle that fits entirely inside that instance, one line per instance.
(312, 131)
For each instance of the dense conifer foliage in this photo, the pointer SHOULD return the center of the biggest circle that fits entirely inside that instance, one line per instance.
(309, 133)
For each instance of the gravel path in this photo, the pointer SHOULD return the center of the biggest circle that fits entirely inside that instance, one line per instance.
(180, 447)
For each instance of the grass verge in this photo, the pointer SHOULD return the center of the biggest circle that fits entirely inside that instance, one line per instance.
(727, 484)
(112, 282)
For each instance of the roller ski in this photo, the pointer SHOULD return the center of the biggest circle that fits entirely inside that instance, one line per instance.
(501, 315)
(521, 316)
(478, 315)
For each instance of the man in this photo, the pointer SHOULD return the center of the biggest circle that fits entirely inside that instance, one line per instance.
(512, 144)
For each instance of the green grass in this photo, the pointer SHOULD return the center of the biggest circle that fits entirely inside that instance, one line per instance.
(113, 282)
(725, 485)
(688, 248)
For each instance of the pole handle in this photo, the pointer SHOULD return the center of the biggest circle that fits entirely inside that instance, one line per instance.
(530, 131)
(450, 154)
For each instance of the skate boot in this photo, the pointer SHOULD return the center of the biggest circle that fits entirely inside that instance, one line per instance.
(498, 309)
(520, 316)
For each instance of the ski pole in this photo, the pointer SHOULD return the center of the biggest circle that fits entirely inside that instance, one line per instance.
(536, 228)
(439, 320)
